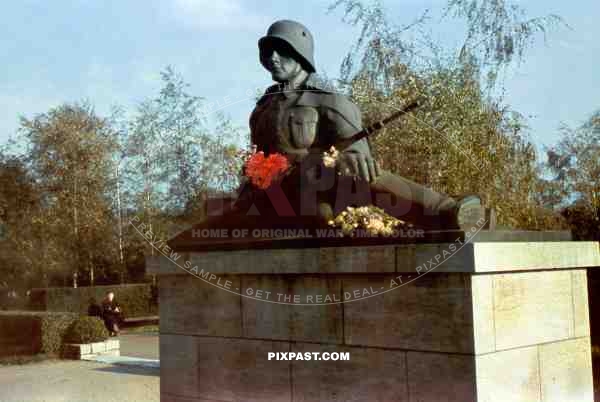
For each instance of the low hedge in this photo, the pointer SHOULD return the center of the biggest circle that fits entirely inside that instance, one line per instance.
(136, 300)
(30, 333)
(86, 330)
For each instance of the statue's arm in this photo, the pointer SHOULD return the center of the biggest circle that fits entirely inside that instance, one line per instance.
(343, 122)
(254, 140)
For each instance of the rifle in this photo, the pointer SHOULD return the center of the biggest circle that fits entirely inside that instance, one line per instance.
(373, 128)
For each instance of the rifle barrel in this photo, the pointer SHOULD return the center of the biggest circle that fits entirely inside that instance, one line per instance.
(367, 131)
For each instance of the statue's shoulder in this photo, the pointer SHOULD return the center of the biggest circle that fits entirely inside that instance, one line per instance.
(320, 96)
(268, 92)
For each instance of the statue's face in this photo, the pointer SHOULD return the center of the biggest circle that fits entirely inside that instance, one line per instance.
(279, 60)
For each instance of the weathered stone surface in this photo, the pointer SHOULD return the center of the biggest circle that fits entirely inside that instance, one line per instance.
(269, 320)
(446, 257)
(223, 369)
(469, 257)
(487, 330)
(532, 308)
(441, 377)
(164, 397)
(433, 313)
(192, 306)
(581, 313)
(566, 371)
(179, 374)
(83, 349)
(112, 344)
(358, 259)
(372, 375)
(259, 261)
(511, 375)
(271, 240)
(490, 257)
(98, 347)
(484, 334)
(522, 236)
(406, 258)
(500, 257)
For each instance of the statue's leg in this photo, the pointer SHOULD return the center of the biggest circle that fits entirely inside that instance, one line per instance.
(413, 202)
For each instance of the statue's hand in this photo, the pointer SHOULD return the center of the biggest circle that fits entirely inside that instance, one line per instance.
(354, 163)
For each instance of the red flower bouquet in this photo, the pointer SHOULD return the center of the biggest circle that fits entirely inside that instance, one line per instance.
(263, 171)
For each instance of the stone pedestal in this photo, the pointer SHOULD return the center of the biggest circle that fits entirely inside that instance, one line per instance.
(479, 321)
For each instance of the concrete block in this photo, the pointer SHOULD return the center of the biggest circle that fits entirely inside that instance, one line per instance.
(178, 365)
(468, 257)
(441, 377)
(512, 256)
(270, 320)
(532, 308)
(496, 256)
(98, 347)
(224, 369)
(581, 313)
(372, 375)
(358, 259)
(433, 313)
(493, 322)
(406, 258)
(511, 375)
(566, 371)
(164, 397)
(82, 349)
(112, 344)
(259, 261)
(445, 257)
(86, 351)
(192, 306)
(484, 334)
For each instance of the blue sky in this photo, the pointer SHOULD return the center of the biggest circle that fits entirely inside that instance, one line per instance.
(111, 52)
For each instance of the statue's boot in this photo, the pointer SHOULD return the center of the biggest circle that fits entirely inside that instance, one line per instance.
(470, 215)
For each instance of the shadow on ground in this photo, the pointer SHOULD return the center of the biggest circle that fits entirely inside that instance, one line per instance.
(134, 370)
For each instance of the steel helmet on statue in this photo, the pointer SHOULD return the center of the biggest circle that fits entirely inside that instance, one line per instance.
(294, 34)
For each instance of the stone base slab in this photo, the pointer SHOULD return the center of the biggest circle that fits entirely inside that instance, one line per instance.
(87, 351)
(220, 369)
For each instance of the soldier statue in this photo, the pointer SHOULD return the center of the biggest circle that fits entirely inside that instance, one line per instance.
(299, 118)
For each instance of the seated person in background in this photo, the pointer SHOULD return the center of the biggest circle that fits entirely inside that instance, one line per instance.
(111, 313)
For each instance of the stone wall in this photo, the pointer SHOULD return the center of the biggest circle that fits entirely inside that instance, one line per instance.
(496, 322)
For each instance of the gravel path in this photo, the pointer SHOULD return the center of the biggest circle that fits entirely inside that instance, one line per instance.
(78, 381)
(139, 345)
(83, 381)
